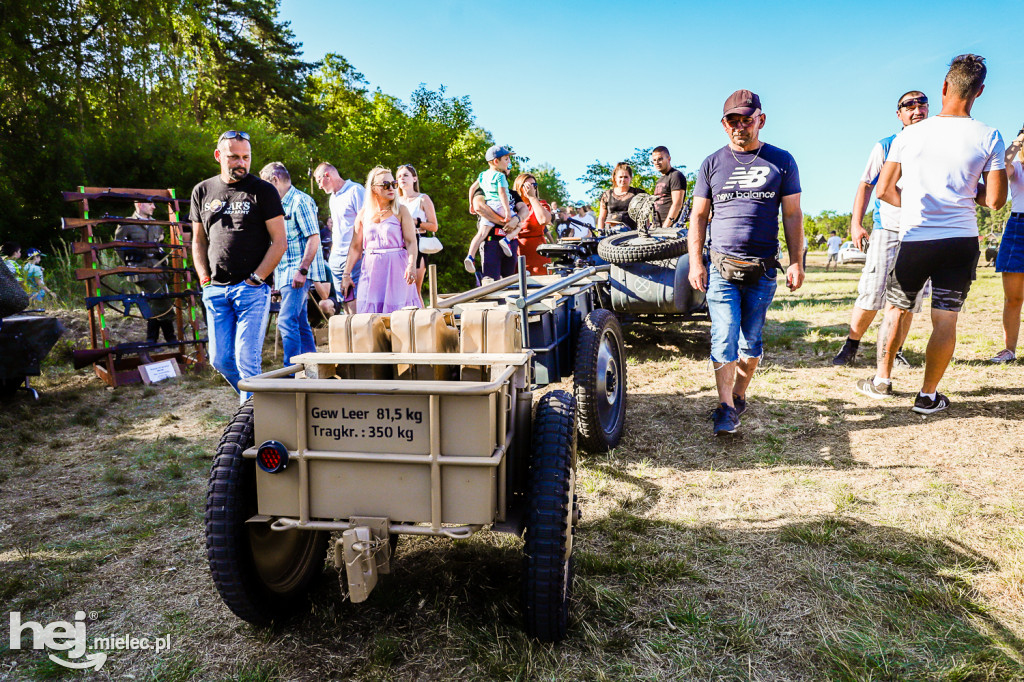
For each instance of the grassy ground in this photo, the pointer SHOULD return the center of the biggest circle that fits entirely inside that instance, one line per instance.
(836, 537)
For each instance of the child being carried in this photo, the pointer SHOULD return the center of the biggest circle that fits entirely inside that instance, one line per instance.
(500, 199)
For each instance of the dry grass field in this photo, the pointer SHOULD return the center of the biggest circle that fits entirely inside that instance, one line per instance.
(836, 537)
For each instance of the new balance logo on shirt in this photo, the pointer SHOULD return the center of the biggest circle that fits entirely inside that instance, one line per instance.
(747, 178)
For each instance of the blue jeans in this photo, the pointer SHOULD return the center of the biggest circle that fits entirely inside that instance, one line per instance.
(293, 322)
(236, 317)
(737, 314)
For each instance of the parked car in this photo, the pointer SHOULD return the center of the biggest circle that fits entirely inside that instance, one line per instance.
(848, 253)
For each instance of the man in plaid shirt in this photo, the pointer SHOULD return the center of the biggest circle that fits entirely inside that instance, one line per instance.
(302, 262)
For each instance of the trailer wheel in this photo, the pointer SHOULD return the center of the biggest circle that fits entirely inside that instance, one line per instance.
(262, 575)
(631, 247)
(599, 381)
(551, 506)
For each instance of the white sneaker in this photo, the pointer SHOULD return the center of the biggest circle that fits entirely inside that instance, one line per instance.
(470, 264)
(506, 246)
(1003, 356)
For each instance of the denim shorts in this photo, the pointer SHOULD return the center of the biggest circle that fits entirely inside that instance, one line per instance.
(737, 314)
(1011, 247)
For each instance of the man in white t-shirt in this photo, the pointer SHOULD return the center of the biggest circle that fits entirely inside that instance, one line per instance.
(911, 108)
(833, 244)
(346, 199)
(947, 164)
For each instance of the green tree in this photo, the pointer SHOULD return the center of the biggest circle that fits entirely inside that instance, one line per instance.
(992, 222)
(550, 185)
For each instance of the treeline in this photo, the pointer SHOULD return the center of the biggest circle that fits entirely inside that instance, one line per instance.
(133, 93)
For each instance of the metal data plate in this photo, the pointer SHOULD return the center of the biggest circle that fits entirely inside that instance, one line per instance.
(366, 423)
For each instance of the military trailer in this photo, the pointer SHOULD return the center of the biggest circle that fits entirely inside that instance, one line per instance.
(407, 425)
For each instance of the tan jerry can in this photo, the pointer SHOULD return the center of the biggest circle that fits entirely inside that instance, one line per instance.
(488, 330)
(424, 330)
(361, 333)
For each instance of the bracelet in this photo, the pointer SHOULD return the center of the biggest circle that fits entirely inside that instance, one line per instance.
(256, 278)
(204, 282)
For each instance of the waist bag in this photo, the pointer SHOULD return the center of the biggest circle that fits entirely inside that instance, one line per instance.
(742, 270)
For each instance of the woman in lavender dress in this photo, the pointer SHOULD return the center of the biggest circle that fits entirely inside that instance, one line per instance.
(385, 238)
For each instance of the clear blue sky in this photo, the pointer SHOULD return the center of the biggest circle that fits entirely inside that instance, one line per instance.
(569, 82)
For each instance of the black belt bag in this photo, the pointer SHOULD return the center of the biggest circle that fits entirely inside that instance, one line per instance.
(742, 270)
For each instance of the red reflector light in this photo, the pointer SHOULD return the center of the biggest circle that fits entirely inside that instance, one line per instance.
(272, 457)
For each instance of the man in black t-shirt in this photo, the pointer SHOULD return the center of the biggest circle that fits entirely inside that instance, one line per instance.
(669, 191)
(239, 237)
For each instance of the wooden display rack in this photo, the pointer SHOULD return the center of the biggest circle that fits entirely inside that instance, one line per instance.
(118, 364)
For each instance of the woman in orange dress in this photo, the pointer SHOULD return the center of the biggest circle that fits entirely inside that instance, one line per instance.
(534, 230)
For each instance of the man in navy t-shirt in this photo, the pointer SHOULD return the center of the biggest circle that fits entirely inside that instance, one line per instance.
(746, 182)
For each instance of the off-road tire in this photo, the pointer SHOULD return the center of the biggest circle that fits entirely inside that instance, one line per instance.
(599, 382)
(627, 247)
(551, 505)
(252, 588)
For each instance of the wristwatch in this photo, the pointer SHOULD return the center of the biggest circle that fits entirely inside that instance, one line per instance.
(303, 271)
(256, 278)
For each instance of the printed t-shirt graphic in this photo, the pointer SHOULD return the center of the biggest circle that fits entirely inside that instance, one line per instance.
(746, 191)
(235, 216)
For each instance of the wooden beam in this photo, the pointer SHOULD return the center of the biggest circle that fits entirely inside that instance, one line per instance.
(89, 273)
(77, 223)
(84, 247)
(156, 196)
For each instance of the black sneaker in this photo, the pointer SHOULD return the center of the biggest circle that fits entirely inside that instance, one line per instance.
(847, 355)
(726, 420)
(740, 403)
(925, 405)
(868, 387)
(900, 359)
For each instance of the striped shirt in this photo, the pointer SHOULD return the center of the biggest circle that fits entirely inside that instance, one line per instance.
(300, 221)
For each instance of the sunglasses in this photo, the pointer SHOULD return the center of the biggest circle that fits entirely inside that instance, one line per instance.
(387, 184)
(233, 134)
(914, 102)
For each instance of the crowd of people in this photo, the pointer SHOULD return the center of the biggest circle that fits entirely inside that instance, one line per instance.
(250, 232)
(928, 178)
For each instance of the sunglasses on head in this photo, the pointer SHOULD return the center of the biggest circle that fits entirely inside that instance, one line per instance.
(914, 102)
(387, 184)
(233, 134)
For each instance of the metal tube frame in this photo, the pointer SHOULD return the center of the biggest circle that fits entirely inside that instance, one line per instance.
(525, 301)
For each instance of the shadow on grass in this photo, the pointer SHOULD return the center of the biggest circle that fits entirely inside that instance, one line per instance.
(820, 598)
(690, 340)
(675, 430)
